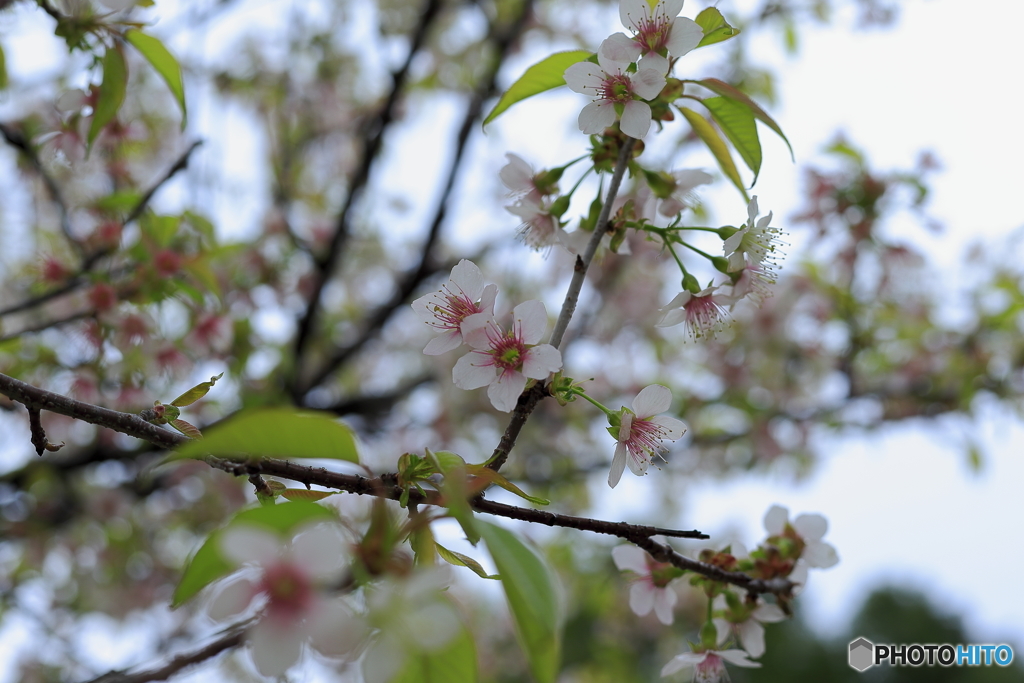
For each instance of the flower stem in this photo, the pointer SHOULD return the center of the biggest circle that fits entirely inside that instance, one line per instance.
(582, 394)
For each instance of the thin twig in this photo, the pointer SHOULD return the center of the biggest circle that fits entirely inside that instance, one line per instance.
(532, 396)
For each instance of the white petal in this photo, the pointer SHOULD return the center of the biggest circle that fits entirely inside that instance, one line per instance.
(654, 62)
(585, 77)
(775, 520)
(597, 116)
(638, 464)
(275, 646)
(530, 321)
(647, 83)
(619, 49)
(242, 543)
(233, 598)
(664, 603)
(475, 329)
(335, 630)
(752, 210)
(468, 278)
(636, 119)
(752, 637)
(71, 100)
(541, 361)
(668, 8)
(684, 35)
(673, 317)
(689, 178)
(618, 465)
(732, 243)
(504, 392)
(433, 625)
(683, 661)
(799, 576)
(679, 300)
(739, 658)
(641, 598)
(768, 613)
(633, 13)
(820, 555)
(612, 59)
(652, 400)
(628, 557)
(724, 629)
(490, 293)
(810, 526)
(673, 428)
(516, 174)
(470, 372)
(321, 551)
(424, 307)
(443, 343)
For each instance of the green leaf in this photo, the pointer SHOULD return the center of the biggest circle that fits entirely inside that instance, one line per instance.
(530, 589)
(715, 27)
(733, 93)
(275, 433)
(737, 122)
(164, 63)
(460, 560)
(112, 91)
(119, 201)
(706, 132)
(187, 428)
(546, 74)
(455, 662)
(195, 393)
(492, 477)
(306, 494)
(456, 494)
(3, 69)
(207, 565)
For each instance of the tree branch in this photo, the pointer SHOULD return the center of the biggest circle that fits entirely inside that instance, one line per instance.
(532, 396)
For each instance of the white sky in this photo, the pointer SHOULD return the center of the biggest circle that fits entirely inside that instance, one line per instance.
(902, 504)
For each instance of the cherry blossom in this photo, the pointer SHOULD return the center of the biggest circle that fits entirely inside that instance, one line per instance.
(708, 666)
(745, 622)
(704, 312)
(410, 615)
(756, 242)
(611, 85)
(520, 178)
(656, 31)
(650, 589)
(503, 360)
(290, 582)
(753, 281)
(462, 296)
(810, 528)
(641, 431)
(540, 227)
(681, 195)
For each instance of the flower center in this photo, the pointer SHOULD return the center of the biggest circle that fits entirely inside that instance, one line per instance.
(288, 590)
(618, 88)
(456, 308)
(508, 351)
(703, 315)
(652, 33)
(645, 437)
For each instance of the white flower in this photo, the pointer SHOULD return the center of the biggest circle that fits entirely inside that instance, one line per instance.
(755, 241)
(411, 616)
(519, 177)
(708, 666)
(462, 296)
(291, 578)
(656, 31)
(753, 281)
(749, 629)
(681, 197)
(704, 312)
(505, 359)
(811, 528)
(642, 430)
(611, 85)
(540, 227)
(649, 591)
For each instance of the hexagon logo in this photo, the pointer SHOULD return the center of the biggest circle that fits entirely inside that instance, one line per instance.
(862, 654)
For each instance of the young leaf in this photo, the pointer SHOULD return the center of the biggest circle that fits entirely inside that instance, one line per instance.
(455, 490)
(189, 430)
(733, 93)
(706, 132)
(306, 494)
(455, 662)
(715, 27)
(3, 69)
(195, 393)
(544, 75)
(737, 122)
(492, 477)
(207, 565)
(164, 63)
(275, 433)
(460, 560)
(112, 91)
(530, 589)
